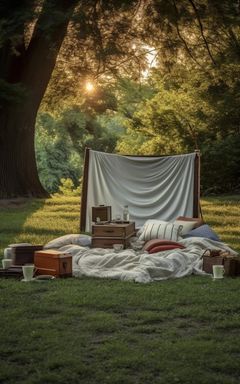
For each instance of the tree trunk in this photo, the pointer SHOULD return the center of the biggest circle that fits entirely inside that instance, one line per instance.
(18, 169)
(32, 68)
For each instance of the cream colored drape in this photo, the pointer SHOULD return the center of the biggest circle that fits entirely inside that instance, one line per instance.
(153, 187)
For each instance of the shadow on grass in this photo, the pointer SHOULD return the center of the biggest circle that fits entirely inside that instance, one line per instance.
(14, 214)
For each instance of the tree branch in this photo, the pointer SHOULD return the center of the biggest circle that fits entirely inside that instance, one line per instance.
(182, 39)
(202, 30)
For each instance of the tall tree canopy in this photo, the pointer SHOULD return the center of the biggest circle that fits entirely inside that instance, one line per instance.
(55, 44)
(32, 33)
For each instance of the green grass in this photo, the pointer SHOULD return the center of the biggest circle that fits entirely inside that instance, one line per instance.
(38, 221)
(97, 330)
(223, 215)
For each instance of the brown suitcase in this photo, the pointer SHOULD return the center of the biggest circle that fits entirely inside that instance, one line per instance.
(53, 262)
(24, 254)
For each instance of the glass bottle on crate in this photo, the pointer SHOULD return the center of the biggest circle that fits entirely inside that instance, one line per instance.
(126, 215)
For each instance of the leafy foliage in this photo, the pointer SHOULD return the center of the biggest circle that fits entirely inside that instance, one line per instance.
(66, 188)
(56, 156)
(188, 110)
(190, 100)
(61, 141)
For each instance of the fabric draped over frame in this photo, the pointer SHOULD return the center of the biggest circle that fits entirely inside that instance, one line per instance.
(153, 187)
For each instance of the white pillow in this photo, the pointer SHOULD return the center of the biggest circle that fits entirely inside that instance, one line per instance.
(83, 240)
(187, 226)
(158, 229)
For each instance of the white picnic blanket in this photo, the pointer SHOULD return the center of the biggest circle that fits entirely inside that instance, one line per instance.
(142, 267)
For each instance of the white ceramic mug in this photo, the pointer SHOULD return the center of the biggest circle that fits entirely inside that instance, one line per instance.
(218, 271)
(8, 253)
(6, 263)
(28, 270)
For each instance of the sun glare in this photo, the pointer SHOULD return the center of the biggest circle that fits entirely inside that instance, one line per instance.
(89, 86)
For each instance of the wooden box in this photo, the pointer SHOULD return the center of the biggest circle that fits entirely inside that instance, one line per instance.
(52, 262)
(24, 254)
(107, 242)
(103, 212)
(104, 236)
(122, 230)
(230, 264)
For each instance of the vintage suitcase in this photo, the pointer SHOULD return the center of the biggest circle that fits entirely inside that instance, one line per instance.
(24, 254)
(229, 262)
(53, 262)
(102, 212)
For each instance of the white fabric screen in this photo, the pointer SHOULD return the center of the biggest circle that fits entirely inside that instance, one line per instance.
(153, 187)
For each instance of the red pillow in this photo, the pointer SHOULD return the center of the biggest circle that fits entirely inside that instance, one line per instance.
(158, 242)
(161, 248)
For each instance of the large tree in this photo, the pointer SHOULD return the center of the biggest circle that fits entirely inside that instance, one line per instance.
(82, 36)
(32, 33)
(28, 65)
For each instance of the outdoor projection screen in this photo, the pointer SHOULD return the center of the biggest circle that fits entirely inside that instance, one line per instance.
(153, 187)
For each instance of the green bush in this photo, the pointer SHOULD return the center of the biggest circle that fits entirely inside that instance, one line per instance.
(220, 166)
(67, 188)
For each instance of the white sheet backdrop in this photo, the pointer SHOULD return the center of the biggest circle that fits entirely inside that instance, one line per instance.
(153, 187)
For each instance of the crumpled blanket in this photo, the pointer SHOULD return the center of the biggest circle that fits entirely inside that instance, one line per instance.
(141, 267)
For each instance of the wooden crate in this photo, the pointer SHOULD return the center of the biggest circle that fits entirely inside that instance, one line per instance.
(230, 264)
(104, 236)
(53, 262)
(107, 242)
(122, 230)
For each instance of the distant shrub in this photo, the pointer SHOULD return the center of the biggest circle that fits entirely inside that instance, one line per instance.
(67, 188)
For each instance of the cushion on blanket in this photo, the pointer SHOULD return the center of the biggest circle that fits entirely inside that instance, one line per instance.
(188, 223)
(166, 247)
(77, 239)
(198, 221)
(157, 242)
(203, 231)
(158, 229)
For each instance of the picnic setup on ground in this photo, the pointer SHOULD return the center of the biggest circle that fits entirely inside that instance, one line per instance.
(140, 221)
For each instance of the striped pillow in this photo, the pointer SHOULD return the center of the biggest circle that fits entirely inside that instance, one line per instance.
(158, 229)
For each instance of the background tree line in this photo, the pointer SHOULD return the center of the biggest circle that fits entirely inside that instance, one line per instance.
(165, 114)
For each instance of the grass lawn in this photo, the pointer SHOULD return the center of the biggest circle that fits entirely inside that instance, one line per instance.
(96, 330)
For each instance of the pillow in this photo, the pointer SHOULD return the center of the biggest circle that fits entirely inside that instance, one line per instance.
(152, 244)
(203, 231)
(157, 229)
(187, 225)
(83, 240)
(199, 220)
(157, 242)
(166, 247)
